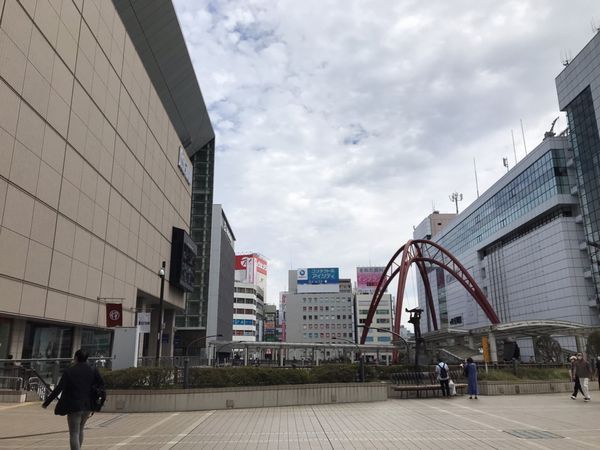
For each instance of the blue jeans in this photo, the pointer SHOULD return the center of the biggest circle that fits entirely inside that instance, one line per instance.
(76, 423)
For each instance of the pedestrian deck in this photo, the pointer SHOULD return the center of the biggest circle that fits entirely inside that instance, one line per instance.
(550, 421)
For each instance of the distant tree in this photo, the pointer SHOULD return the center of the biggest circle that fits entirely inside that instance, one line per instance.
(547, 350)
(593, 344)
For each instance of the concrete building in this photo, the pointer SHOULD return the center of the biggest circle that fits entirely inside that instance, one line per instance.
(523, 242)
(99, 106)
(318, 307)
(251, 270)
(271, 333)
(248, 304)
(433, 224)
(192, 339)
(578, 87)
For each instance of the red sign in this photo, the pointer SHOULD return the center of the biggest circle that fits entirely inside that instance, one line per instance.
(251, 262)
(114, 315)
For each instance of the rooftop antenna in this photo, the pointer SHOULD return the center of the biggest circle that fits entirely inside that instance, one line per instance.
(523, 133)
(455, 197)
(595, 27)
(505, 163)
(476, 183)
(565, 57)
(432, 206)
(512, 133)
(551, 133)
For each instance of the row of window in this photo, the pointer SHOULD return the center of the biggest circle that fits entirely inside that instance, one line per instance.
(324, 317)
(325, 326)
(248, 301)
(244, 333)
(326, 335)
(244, 311)
(364, 312)
(244, 322)
(321, 300)
(380, 321)
(379, 339)
(325, 308)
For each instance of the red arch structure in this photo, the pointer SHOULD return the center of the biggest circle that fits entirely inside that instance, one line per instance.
(423, 253)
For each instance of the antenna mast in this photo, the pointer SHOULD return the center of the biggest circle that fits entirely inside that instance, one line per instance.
(476, 182)
(455, 197)
(523, 133)
(514, 146)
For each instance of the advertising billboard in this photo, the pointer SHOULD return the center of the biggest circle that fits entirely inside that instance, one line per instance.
(324, 279)
(250, 268)
(367, 278)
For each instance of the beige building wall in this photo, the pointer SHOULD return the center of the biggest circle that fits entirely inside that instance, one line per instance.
(89, 183)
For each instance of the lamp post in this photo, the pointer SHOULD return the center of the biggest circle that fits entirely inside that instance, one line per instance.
(203, 338)
(361, 360)
(161, 274)
(393, 333)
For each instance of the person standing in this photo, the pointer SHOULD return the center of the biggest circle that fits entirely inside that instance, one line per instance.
(583, 370)
(471, 374)
(75, 402)
(442, 371)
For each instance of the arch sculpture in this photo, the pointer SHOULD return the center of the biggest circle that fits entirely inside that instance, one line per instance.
(424, 254)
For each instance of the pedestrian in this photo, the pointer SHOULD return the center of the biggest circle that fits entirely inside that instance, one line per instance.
(443, 375)
(575, 379)
(471, 374)
(76, 385)
(583, 370)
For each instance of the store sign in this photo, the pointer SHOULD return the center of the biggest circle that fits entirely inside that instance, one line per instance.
(185, 165)
(114, 315)
(367, 278)
(143, 322)
(183, 258)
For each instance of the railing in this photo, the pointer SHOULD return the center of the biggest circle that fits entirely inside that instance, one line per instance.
(11, 383)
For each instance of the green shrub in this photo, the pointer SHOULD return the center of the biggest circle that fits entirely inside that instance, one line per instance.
(334, 373)
(139, 378)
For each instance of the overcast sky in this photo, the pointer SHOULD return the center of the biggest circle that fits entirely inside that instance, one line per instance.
(341, 124)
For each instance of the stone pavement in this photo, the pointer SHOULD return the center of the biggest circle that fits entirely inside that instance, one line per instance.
(529, 421)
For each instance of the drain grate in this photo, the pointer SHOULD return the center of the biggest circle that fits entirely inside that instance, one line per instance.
(533, 434)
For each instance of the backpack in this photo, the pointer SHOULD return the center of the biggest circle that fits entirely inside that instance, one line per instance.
(98, 397)
(443, 371)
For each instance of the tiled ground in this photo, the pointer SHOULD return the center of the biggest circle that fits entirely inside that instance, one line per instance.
(543, 421)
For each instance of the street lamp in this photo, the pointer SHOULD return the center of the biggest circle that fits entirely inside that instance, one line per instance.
(361, 361)
(187, 349)
(161, 274)
(396, 335)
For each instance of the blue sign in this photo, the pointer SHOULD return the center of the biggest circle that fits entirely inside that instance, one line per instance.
(319, 276)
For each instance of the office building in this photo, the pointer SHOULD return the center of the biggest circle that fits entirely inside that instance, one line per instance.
(100, 105)
(382, 325)
(578, 87)
(523, 242)
(318, 307)
(250, 288)
(191, 340)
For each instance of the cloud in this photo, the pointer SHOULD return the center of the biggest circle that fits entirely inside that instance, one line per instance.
(340, 123)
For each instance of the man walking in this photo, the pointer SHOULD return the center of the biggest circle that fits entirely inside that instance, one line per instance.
(582, 369)
(442, 370)
(76, 400)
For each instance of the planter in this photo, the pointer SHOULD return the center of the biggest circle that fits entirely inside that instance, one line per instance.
(10, 396)
(242, 397)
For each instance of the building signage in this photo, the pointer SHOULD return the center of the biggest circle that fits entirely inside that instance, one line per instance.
(367, 278)
(318, 280)
(143, 322)
(185, 165)
(114, 315)
(183, 258)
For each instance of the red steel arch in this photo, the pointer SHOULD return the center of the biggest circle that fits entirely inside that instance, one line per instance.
(423, 252)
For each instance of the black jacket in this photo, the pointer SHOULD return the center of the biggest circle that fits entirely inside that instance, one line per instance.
(76, 387)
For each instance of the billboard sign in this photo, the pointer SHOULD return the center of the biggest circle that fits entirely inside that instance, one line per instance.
(251, 268)
(318, 280)
(367, 278)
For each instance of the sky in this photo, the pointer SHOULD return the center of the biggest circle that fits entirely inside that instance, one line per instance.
(341, 124)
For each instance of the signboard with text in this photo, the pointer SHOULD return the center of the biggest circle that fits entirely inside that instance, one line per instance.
(325, 280)
(367, 278)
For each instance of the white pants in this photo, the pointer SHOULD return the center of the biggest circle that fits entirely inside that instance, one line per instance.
(585, 382)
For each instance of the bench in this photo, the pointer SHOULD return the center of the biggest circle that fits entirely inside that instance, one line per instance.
(424, 382)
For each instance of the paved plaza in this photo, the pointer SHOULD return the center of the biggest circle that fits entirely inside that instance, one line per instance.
(540, 422)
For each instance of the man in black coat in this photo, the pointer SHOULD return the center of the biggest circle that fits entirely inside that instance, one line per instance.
(76, 400)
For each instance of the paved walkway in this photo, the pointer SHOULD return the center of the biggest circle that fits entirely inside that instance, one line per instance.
(528, 421)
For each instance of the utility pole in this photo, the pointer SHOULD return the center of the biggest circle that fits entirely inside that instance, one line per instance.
(455, 197)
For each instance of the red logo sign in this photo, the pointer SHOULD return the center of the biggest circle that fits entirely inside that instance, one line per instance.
(114, 315)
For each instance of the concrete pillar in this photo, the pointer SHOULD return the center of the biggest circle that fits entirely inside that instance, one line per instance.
(17, 338)
(580, 343)
(281, 357)
(169, 321)
(76, 340)
(493, 349)
(245, 355)
(316, 356)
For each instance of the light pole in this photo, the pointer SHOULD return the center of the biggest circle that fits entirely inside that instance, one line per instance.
(187, 349)
(161, 274)
(361, 361)
(397, 335)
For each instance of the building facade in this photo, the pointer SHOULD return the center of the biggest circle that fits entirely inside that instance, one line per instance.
(94, 174)
(322, 312)
(523, 242)
(578, 88)
(191, 340)
(248, 304)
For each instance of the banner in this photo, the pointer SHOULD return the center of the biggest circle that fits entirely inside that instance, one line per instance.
(114, 315)
(143, 322)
